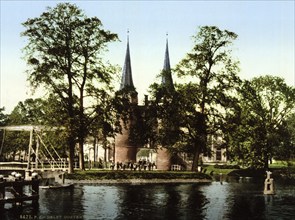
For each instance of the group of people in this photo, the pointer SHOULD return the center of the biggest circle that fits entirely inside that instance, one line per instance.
(140, 165)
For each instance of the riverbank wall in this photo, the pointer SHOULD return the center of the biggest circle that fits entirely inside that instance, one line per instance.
(135, 181)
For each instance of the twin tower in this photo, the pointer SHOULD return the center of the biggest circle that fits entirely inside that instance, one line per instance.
(124, 150)
(127, 80)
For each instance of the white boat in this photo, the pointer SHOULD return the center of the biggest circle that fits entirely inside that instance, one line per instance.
(57, 186)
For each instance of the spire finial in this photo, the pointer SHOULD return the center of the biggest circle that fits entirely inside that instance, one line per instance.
(128, 34)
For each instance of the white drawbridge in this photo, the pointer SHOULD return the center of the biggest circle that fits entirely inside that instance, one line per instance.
(40, 156)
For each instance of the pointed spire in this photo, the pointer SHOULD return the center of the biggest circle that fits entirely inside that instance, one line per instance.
(126, 80)
(166, 59)
(166, 72)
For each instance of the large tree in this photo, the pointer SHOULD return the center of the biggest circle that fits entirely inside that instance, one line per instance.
(64, 52)
(261, 131)
(285, 149)
(3, 117)
(209, 95)
(3, 122)
(163, 118)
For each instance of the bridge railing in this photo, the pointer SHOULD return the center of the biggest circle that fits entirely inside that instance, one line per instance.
(43, 165)
(10, 165)
(54, 164)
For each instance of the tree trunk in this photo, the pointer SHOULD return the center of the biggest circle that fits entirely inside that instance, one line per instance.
(266, 162)
(71, 144)
(70, 104)
(81, 154)
(82, 125)
(105, 148)
(94, 149)
(195, 161)
(266, 155)
(13, 155)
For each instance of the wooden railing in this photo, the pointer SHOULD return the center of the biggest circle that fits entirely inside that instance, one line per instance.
(13, 165)
(46, 165)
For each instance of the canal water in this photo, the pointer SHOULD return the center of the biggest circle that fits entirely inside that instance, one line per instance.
(235, 199)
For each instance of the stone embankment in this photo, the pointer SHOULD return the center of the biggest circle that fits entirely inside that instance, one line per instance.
(135, 181)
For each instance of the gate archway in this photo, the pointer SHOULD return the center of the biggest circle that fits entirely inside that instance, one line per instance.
(146, 154)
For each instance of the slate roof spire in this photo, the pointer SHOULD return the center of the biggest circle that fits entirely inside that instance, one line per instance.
(166, 72)
(126, 80)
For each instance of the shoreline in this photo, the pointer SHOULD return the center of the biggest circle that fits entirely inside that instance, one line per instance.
(135, 181)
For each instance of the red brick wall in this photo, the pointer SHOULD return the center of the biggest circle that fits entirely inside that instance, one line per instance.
(124, 152)
(163, 159)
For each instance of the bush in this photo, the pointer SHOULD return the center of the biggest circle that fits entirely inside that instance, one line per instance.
(225, 166)
(120, 174)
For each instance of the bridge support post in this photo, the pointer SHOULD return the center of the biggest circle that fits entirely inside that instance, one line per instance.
(30, 148)
(2, 191)
(18, 189)
(35, 188)
(27, 174)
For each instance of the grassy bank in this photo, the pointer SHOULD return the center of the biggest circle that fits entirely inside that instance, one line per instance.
(119, 174)
(279, 170)
(213, 169)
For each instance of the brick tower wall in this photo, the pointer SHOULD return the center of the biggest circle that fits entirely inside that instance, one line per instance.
(124, 152)
(163, 159)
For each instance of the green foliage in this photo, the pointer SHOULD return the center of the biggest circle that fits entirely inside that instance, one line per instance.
(3, 117)
(249, 172)
(285, 150)
(102, 175)
(291, 129)
(209, 97)
(216, 170)
(190, 114)
(261, 131)
(33, 112)
(29, 112)
(103, 123)
(164, 117)
(64, 53)
(26, 112)
(226, 166)
(141, 121)
(124, 103)
(3, 122)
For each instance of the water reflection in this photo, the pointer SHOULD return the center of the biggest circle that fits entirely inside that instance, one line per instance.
(155, 201)
(233, 199)
(65, 200)
(100, 202)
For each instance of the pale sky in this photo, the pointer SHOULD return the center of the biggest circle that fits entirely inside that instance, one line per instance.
(265, 43)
